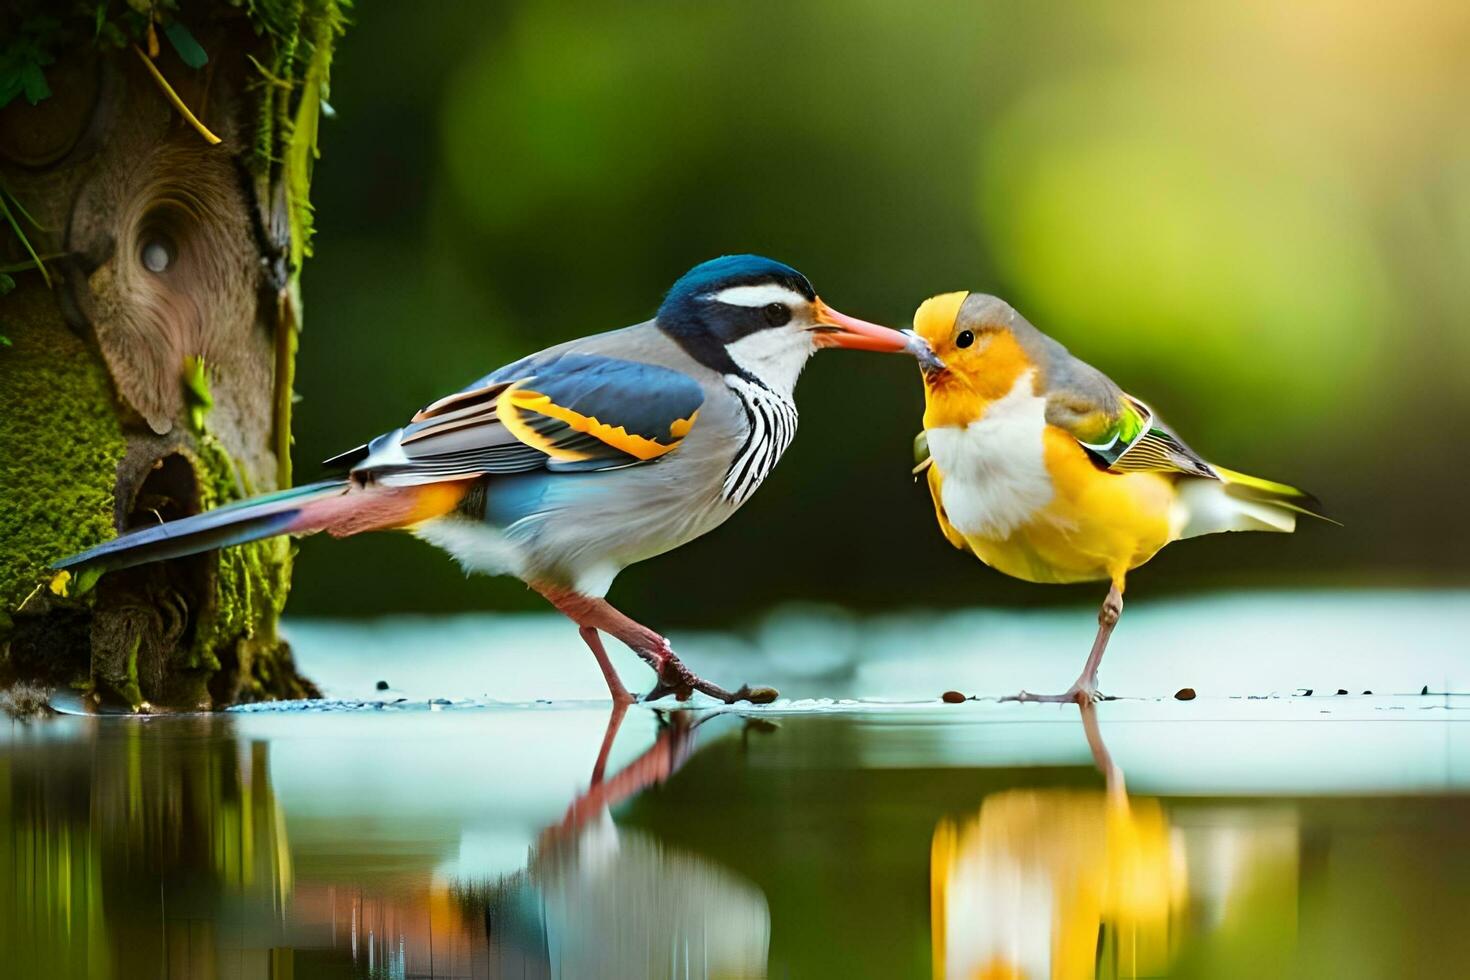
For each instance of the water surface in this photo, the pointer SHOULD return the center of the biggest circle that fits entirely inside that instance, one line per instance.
(1230, 836)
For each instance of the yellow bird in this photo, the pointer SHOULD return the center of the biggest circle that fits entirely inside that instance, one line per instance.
(1044, 469)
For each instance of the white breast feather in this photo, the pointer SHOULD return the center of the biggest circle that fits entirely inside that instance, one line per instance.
(994, 470)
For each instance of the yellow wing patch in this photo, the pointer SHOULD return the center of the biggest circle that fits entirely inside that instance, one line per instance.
(516, 401)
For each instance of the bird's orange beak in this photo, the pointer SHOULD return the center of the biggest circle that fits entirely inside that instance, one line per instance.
(840, 330)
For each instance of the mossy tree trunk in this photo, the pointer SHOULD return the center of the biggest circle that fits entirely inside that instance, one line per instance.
(146, 372)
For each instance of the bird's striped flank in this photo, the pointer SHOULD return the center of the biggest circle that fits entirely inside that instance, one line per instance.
(772, 425)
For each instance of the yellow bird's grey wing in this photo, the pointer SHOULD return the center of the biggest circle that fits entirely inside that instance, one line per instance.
(1119, 432)
(1140, 442)
(1124, 435)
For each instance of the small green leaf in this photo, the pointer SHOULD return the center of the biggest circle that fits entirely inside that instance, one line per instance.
(189, 49)
(114, 35)
(196, 391)
(7, 283)
(10, 84)
(86, 578)
(34, 82)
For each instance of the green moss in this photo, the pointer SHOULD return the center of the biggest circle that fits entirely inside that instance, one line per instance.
(253, 579)
(250, 588)
(299, 35)
(197, 396)
(61, 442)
(294, 85)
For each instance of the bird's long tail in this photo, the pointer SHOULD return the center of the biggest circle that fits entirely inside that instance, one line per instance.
(335, 506)
(1240, 502)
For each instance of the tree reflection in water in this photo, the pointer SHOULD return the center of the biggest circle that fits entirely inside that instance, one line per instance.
(159, 849)
(135, 855)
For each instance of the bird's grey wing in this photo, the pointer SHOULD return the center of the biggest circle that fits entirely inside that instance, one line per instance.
(1158, 448)
(562, 410)
(1119, 432)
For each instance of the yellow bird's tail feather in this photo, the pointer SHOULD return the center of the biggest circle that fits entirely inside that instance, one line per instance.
(1240, 502)
(1246, 487)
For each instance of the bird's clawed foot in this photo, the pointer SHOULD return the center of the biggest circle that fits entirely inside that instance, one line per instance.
(676, 679)
(594, 615)
(1078, 693)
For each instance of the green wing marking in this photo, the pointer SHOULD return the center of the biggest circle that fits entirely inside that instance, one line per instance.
(1139, 442)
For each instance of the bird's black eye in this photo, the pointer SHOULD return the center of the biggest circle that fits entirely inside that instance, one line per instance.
(777, 314)
(965, 339)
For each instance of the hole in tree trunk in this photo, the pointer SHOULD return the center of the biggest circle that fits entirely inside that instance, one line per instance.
(145, 615)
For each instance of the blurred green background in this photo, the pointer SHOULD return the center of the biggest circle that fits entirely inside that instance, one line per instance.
(1255, 217)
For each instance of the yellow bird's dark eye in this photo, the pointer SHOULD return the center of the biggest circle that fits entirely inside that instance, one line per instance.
(965, 339)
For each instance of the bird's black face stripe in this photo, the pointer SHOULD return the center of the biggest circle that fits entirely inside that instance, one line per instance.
(704, 327)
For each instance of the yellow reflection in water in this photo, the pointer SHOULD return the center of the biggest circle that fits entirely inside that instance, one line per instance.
(1062, 883)
(1081, 884)
(1033, 884)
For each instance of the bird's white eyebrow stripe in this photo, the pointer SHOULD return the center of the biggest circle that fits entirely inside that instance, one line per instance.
(758, 295)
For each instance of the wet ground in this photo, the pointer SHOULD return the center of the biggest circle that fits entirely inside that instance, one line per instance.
(487, 816)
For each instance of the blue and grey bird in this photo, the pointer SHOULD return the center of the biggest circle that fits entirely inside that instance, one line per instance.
(569, 465)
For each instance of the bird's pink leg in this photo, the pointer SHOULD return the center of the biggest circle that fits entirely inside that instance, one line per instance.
(614, 722)
(615, 687)
(1084, 689)
(592, 615)
(661, 760)
(1101, 757)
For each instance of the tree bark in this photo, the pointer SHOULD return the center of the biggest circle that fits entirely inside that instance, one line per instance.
(150, 378)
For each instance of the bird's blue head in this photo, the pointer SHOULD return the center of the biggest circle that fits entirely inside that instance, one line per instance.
(760, 319)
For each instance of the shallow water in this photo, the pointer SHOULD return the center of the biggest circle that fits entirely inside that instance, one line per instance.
(1235, 835)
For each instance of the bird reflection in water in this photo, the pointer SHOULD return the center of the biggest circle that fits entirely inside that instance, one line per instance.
(615, 902)
(1057, 883)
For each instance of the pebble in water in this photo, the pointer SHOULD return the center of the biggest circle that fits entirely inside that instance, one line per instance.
(953, 697)
(382, 685)
(1184, 694)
